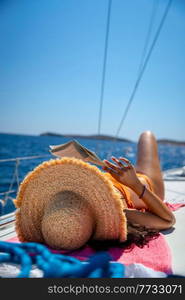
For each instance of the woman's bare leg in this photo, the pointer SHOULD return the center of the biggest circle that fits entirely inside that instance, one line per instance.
(148, 161)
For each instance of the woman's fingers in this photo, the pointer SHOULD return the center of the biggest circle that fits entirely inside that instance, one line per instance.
(118, 168)
(123, 167)
(111, 171)
(117, 161)
(125, 160)
(112, 166)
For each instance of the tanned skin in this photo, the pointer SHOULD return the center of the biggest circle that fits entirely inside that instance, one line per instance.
(158, 215)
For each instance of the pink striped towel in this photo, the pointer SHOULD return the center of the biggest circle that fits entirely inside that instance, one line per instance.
(156, 254)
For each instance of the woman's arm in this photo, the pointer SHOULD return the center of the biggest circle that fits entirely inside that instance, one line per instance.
(159, 215)
(148, 219)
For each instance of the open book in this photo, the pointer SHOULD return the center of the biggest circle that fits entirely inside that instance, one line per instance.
(75, 149)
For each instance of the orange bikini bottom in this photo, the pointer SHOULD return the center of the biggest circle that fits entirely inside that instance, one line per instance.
(125, 191)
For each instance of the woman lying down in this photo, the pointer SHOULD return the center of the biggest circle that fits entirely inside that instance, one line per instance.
(67, 203)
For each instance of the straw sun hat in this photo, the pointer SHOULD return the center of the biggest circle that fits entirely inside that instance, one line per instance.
(66, 202)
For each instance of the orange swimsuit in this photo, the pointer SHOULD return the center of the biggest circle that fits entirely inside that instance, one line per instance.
(125, 191)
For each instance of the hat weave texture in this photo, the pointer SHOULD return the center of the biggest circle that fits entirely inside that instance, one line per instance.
(66, 202)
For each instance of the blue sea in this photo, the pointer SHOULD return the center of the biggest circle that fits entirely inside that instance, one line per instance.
(12, 146)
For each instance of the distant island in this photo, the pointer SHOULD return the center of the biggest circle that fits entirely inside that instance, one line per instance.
(171, 142)
(92, 137)
(109, 138)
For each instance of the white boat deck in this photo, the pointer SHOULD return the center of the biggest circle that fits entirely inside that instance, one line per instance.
(175, 193)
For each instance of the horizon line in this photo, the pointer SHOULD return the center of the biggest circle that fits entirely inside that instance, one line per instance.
(84, 135)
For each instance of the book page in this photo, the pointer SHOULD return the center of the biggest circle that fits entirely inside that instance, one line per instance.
(75, 149)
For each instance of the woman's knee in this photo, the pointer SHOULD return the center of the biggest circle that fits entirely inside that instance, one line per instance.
(147, 134)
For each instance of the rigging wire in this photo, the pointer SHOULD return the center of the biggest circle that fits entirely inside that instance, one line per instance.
(104, 65)
(149, 32)
(138, 80)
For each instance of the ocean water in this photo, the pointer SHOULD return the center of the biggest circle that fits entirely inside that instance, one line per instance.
(12, 146)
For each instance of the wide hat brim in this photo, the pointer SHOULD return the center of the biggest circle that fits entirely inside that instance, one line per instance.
(69, 174)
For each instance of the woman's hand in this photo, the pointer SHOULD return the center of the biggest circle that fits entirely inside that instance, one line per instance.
(124, 173)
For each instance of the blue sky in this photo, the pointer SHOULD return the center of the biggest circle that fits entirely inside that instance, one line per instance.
(51, 57)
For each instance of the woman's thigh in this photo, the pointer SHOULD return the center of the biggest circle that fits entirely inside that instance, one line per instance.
(148, 161)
